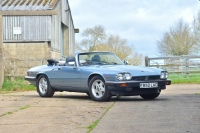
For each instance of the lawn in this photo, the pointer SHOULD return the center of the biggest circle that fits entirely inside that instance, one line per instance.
(192, 78)
(18, 84)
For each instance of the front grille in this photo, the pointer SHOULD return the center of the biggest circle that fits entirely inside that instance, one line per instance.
(141, 78)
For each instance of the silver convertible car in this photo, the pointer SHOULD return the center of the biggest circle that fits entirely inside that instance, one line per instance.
(101, 75)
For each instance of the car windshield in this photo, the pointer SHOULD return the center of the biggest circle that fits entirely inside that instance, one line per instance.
(99, 58)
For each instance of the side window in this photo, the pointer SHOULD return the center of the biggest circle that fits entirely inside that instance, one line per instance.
(84, 60)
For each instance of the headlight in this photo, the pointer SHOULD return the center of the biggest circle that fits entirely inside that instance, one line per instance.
(119, 76)
(123, 76)
(164, 75)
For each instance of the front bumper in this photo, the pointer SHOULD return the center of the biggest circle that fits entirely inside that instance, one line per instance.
(133, 87)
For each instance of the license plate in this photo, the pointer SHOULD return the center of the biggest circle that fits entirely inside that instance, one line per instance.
(149, 85)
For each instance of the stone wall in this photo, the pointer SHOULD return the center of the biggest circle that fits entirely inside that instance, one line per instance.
(27, 50)
(19, 57)
(55, 55)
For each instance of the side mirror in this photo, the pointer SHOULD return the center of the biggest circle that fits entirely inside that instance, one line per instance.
(126, 62)
(71, 63)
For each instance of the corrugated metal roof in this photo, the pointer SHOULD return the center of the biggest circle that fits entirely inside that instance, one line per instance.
(6, 5)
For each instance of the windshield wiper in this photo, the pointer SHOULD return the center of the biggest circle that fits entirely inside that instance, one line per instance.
(114, 63)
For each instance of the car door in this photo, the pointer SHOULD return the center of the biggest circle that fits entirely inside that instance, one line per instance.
(65, 78)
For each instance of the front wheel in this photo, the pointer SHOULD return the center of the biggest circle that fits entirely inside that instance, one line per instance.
(98, 90)
(43, 87)
(150, 96)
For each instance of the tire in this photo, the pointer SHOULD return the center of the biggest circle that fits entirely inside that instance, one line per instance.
(98, 90)
(150, 96)
(43, 87)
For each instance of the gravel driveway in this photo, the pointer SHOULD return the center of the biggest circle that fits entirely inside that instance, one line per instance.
(74, 112)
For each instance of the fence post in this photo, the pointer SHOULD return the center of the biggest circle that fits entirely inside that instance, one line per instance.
(146, 61)
(187, 67)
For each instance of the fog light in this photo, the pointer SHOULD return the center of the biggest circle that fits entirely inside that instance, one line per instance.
(123, 85)
(167, 83)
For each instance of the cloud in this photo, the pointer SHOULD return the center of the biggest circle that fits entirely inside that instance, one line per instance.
(140, 22)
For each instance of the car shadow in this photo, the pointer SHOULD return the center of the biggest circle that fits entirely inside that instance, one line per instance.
(138, 99)
(81, 97)
(113, 99)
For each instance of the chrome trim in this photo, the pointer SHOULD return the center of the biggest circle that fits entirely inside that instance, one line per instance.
(142, 81)
(29, 78)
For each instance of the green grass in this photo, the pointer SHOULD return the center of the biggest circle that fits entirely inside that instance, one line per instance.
(18, 84)
(21, 108)
(8, 113)
(95, 123)
(193, 78)
(24, 107)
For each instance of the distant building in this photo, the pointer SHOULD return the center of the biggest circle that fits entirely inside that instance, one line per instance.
(36, 29)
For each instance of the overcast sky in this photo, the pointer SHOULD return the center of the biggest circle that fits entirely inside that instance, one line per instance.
(141, 22)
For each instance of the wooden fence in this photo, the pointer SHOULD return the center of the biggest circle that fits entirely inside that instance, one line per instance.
(176, 64)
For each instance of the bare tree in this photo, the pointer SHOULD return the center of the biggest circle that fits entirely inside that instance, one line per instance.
(135, 59)
(179, 40)
(91, 38)
(119, 46)
(95, 39)
(196, 28)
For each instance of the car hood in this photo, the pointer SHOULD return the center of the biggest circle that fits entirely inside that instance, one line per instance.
(133, 70)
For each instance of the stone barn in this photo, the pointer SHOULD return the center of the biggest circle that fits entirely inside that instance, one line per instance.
(34, 30)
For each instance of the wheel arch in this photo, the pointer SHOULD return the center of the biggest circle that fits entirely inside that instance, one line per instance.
(37, 76)
(93, 75)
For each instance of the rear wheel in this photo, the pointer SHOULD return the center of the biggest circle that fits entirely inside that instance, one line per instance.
(150, 96)
(43, 87)
(98, 90)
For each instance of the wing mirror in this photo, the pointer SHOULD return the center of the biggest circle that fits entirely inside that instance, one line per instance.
(126, 62)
